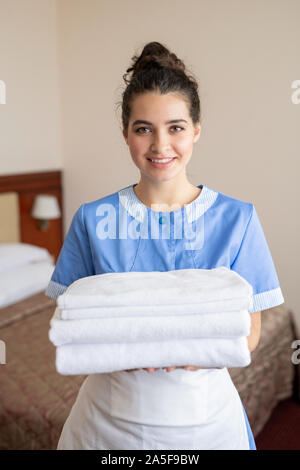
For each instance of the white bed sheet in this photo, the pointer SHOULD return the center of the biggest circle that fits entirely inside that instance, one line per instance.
(23, 281)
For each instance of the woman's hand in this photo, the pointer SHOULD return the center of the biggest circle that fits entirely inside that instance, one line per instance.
(168, 369)
(148, 369)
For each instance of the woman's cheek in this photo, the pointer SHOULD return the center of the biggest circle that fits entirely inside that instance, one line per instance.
(138, 148)
(183, 145)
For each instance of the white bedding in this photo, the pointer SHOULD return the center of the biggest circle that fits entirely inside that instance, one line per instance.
(23, 281)
(13, 255)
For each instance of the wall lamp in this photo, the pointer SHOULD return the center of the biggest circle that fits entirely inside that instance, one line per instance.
(45, 207)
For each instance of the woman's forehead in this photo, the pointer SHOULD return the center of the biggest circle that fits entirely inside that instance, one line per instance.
(157, 107)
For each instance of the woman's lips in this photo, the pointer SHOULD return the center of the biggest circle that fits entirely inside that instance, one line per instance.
(161, 165)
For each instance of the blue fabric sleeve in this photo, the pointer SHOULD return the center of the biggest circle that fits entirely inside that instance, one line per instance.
(75, 257)
(255, 264)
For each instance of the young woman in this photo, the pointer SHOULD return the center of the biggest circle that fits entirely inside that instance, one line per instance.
(163, 223)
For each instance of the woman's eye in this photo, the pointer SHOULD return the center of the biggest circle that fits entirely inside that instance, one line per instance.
(137, 130)
(173, 127)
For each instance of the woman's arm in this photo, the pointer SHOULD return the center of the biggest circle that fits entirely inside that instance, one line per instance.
(253, 338)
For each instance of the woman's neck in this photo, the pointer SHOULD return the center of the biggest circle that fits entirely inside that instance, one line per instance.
(166, 196)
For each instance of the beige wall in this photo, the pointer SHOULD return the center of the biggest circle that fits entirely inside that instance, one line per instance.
(245, 55)
(30, 128)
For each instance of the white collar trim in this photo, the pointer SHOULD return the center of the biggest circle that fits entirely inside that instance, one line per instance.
(194, 209)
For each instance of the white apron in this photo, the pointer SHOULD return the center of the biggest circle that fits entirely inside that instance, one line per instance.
(183, 410)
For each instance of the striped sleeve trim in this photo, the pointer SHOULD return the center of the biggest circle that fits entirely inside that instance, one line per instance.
(268, 299)
(54, 289)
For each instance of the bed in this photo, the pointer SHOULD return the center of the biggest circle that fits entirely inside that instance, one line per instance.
(27, 253)
(35, 400)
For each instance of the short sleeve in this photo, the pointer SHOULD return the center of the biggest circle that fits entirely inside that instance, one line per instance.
(75, 257)
(255, 264)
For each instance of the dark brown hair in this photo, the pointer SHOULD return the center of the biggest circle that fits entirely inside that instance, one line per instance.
(159, 70)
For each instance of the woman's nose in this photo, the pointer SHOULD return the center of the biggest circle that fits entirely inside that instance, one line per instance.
(160, 144)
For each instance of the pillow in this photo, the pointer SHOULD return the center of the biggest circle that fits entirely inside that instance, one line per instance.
(22, 282)
(13, 255)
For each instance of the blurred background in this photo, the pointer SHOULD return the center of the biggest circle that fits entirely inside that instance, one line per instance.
(61, 67)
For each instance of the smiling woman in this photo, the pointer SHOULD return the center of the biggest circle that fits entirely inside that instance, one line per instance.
(160, 149)
(178, 406)
(163, 99)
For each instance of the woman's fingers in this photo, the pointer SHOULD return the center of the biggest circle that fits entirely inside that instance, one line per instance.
(171, 368)
(168, 369)
(148, 369)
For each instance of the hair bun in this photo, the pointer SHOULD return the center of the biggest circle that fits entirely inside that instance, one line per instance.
(158, 70)
(154, 55)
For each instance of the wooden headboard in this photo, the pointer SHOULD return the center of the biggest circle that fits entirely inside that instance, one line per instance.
(17, 194)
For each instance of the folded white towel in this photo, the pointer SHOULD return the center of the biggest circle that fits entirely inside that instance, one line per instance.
(224, 306)
(155, 328)
(73, 359)
(181, 286)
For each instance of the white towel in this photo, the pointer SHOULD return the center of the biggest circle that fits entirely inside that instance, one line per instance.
(155, 328)
(175, 287)
(224, 306)
(73, 359)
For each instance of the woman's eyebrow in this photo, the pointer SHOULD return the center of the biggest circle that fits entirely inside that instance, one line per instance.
(173, 121)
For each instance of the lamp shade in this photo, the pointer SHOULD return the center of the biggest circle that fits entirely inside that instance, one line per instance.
(45, 207)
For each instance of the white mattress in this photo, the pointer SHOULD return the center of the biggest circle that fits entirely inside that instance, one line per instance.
(23, 281)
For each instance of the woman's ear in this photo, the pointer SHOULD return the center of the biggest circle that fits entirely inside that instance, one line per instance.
(125, 136)
(197, 132)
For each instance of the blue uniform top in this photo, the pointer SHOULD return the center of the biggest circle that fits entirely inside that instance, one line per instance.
(118, 233)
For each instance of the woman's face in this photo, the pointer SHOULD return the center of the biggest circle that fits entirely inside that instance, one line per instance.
(154, 136)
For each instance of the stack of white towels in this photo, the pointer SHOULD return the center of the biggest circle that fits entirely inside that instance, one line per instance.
(116, 321)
